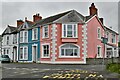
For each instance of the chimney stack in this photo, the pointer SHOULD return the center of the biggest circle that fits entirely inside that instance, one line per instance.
(19, 22)
(93, 10)
(36, 17)
(101, 19)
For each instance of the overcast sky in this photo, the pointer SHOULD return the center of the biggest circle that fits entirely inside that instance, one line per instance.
(12, 11)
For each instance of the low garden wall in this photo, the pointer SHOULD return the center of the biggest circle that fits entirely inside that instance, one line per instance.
(100, 60)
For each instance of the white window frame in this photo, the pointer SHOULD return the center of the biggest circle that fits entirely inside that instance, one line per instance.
(33, 34)
(7, 40)
(100, 55)
(23, 47)
(43, 51)
(23, 36)
(108, 36)
(61, 56)
(114, 38)
(99, 33)
(65, 32)
(14, 38)
(43, 31)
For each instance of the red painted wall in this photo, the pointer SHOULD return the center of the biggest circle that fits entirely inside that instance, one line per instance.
(93, 41)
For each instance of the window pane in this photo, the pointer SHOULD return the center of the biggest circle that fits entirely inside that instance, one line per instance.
(69, 52)
(62, 52)
(75, 52)
(69, 33)
(46, 50)
(75, 31)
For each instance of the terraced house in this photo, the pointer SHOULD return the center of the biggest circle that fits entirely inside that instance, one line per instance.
(10, 43)
(70, 37)
(29, 40)
(65, 38)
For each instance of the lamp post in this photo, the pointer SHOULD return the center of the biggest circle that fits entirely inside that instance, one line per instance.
(104, 41)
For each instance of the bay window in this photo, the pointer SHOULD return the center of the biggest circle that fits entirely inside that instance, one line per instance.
(69, 30)
(69, 50)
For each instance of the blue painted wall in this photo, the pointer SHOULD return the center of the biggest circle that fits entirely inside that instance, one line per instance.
(29, 44)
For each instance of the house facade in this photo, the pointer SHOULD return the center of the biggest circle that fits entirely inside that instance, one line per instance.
(29, 41)
(70, 37)
(9, 41)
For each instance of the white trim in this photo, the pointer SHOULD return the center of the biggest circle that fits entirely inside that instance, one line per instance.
(78, 55)
(25, 61)
(23, 36)
(42, 50)
(43, 29)
(99, 33)
(54, 44)
(23, 53)
(33, 38)
(84, 40)
(64, 62)
(72, 30)
(100, 51)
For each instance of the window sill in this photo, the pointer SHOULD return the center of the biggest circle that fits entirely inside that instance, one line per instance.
(70, 37)
(99, 39)
(34, 39)
(45, 57)
(69, 56)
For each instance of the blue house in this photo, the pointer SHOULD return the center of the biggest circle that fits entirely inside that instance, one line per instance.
(29, 41)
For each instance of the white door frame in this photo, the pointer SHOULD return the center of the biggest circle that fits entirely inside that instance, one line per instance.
(34, 45)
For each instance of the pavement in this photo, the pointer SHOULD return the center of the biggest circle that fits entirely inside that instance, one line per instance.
(33, 70)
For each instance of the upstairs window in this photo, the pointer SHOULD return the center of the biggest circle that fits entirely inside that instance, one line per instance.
(21, 36)
(108, 36)
(45, 31)
(35, 34)
(113, 38)
(69, 31)
(99, 33)
(7, 40)
(15, 38)
(24, 36)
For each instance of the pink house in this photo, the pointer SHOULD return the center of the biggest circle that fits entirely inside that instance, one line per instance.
(70, 37)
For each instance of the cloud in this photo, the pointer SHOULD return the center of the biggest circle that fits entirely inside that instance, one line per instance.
(11, 11)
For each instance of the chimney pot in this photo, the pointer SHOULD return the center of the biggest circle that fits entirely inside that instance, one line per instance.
(36, 17)
(93, 10)
(101, 19)
(19, 22)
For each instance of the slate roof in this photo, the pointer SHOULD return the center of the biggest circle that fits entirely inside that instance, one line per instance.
(12, 29)
(51, 18)
(55, 17)
(29, 23)
(110, 29)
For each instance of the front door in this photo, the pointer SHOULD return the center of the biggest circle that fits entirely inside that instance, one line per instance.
(34, 53)
(14, 54)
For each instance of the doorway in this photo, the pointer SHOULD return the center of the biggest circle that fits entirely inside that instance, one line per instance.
(34, 53)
